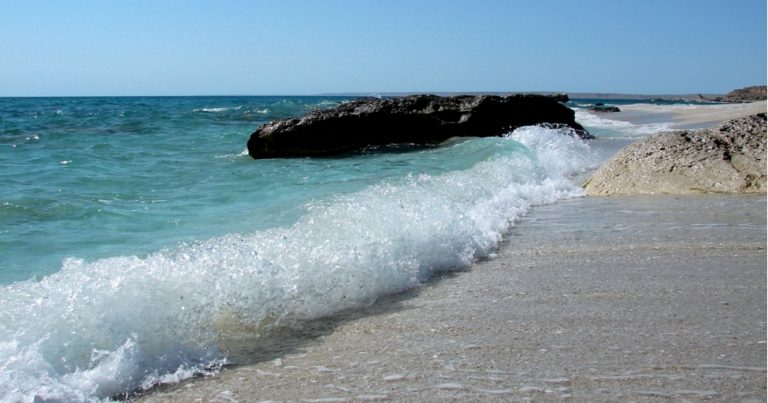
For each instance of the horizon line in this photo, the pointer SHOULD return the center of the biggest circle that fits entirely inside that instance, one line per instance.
(575, 94)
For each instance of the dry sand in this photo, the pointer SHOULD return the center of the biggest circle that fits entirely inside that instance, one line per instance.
(645, 298)
(687, 116)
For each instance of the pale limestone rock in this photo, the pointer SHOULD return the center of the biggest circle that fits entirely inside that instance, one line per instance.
(730, 159)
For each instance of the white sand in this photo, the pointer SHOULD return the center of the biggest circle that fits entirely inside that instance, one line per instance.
(689, 116)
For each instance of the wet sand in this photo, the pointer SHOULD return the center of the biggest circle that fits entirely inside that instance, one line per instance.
(645, 298)
(635, 298)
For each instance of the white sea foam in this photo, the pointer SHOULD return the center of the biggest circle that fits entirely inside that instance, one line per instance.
(110, 326)
(217, 110)
(619, 128)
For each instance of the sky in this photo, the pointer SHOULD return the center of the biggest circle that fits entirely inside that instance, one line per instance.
(295, 47)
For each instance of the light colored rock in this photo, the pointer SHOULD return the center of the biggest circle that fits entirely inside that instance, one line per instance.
(730, 159)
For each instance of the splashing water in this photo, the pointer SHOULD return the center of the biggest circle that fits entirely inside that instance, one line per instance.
(103, 327)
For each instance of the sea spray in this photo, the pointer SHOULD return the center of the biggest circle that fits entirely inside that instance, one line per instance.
(106, 327)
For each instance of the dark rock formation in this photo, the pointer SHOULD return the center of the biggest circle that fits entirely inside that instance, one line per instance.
(560, 97)
(730, 159)
(600, 107)
(416, 120)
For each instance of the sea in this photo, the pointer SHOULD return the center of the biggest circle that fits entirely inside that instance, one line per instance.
(137, 236)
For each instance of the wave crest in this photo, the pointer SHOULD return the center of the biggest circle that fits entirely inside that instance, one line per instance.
(97, 329)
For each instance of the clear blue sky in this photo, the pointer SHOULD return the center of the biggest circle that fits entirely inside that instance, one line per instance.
(219, 47)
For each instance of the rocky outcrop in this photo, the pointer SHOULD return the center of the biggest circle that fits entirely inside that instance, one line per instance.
(729, 159)
(746, 94)
(601, 107)
(417, 120)
(560, 97)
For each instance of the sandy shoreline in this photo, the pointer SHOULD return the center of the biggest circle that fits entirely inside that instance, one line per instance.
(686, 116)
(642, 298)
(625, 298)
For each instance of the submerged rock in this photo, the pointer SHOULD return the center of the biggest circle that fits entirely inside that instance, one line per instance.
(730, 159)
(416, 120)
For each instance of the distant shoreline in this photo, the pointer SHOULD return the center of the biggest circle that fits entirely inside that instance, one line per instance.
(686, 117)
(573, 95)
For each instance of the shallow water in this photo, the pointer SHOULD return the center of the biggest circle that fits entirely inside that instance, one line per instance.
(137, 235)
(646, 220)
(589, 298)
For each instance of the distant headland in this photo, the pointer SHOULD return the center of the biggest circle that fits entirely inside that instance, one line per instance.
(746, 94)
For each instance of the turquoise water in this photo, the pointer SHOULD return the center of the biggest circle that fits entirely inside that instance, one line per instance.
(99, 177)
(136, 235)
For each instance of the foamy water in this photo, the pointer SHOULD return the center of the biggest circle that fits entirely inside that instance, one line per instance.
(604, 126)
(358, 229)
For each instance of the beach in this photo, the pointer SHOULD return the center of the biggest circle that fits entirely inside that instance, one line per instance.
(687, 116)
(475, 270)
(631, 298)
(627, 298)
(264, 201)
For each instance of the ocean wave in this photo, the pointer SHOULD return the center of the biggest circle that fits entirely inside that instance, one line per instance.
(102, 328)
(604, 127)
(219, 109)
(241, 154)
